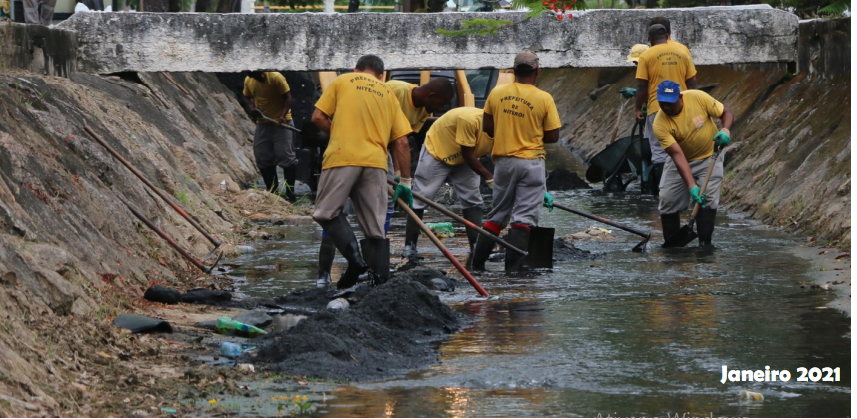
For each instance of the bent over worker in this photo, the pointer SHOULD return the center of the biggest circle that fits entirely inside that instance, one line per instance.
(452, 149)
(686, 130)
(521, 118)
(267, 93)
(366, 121)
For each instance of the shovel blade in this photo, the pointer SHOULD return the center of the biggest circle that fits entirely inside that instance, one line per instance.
(641, 246)
(681, 238)
(540, 249)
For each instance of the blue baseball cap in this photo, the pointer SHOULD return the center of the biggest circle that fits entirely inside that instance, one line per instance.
(668, 91)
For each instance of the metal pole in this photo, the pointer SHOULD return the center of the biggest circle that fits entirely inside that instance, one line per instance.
(152, 187)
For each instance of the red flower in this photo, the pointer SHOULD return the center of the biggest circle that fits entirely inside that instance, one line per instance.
(544, 3)
(559, 17)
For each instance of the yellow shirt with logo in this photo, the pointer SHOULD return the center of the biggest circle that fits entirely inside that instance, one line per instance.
(366, 118)
(693, 128)
(416, 116)
(522, 113)
(456, 128)
(268, 96)
(668, 61)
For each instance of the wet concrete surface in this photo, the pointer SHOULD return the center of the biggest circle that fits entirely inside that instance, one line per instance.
(627, 334)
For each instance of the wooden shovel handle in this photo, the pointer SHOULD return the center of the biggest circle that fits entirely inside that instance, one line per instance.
(710, 170)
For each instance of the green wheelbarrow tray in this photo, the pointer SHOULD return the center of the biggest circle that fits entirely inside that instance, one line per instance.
(617, 159)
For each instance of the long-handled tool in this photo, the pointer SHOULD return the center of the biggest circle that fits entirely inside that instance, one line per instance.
(157, 191)
(286, 126)
(685, 235)
(460, 219)
(439, 245)
(170, 241)
(641, 246)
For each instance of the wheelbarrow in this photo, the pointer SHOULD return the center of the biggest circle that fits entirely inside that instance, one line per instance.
(624, 156)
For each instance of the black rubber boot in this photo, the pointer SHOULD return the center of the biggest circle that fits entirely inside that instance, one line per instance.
(474, 215)
(481, 251)
(520, 238)
(655, 179)
(269, 175)
(343, 238)
(377, 253)
(705, 225)
(290, 173)
(326, 253)
(412, 234)
(670, 224)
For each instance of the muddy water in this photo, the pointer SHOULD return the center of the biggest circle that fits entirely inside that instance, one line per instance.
(629, 334)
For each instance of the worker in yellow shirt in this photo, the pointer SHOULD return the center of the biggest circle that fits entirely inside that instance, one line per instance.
(267, 92)
(685, 129)
(665, 60)
(366, 120)
(417, 103)
(521, 118)
(451, 151)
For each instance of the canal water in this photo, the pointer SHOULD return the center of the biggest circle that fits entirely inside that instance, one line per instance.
(630, 334)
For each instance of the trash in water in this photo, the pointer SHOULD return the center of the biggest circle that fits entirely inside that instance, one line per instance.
(233, 350)
(225, 325)
(169, 410)
(245, 249)
(750, 395)
(441, 229)
(338, 304)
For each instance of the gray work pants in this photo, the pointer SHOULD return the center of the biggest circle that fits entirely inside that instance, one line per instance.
(367, 188)
(273, 146)
(519, 191)
(32, 15)
(675, 196)
(432, 173)
(658, 153)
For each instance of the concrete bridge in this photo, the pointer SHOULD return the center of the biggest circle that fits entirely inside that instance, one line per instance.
(114, 42)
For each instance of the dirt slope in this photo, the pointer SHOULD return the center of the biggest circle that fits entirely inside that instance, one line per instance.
(790, 164)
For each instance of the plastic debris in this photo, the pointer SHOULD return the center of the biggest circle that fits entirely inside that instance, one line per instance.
(750, 395)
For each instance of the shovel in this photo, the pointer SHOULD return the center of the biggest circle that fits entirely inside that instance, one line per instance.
(157, 191)
(640, 247)
(286, 126)
(685, 235)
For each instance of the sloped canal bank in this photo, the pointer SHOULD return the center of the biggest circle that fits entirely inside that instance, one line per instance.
(629, 334)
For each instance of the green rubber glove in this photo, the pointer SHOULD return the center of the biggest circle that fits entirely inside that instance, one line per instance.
(403, 190)
(628, 92)
(548, 202)
(696, 196)
(722, 138)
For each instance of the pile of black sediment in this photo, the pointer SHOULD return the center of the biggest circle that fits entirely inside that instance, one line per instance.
(387, 331)
(564, 180)
(564, 251)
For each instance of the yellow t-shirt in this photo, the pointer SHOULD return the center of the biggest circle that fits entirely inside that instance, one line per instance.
(522, 113)
(366, 117)
(669, 61)
(456, 128)
(416, 116)
(694, 128)
(269, 95)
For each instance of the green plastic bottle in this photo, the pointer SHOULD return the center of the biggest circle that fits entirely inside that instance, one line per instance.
(441, 229)
(226, 325)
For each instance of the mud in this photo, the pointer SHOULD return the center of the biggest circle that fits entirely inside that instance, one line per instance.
(564, 180)
(386, 332)
(564, 251)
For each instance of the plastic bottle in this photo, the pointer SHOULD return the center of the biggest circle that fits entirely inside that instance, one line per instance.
(226, 325)
(441, 229)
(245, 249)
(230, 350)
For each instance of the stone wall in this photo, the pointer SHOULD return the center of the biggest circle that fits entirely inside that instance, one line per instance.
(115, 42)
(38, 49)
